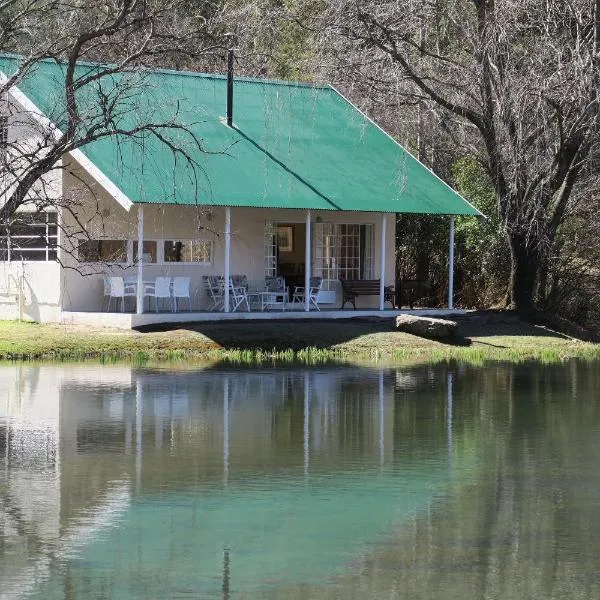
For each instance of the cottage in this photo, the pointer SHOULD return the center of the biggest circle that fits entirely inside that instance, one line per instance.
(281, 179)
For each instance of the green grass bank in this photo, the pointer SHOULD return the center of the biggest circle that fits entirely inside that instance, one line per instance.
(480, 338)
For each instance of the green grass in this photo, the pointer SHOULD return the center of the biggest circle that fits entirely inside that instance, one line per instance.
(314, 342)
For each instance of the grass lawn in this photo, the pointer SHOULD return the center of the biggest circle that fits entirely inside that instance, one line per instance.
(479, 339)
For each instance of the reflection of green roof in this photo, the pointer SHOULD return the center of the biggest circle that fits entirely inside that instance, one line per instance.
(293, 146)
(279, 531)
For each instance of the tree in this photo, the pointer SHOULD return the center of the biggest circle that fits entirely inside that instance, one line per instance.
(518, 81)
(122, 37)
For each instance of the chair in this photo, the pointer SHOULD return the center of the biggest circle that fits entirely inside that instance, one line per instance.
(275, 284)
(106, 293)
(240, 281)
(278, 292)
(238, 296)
(215, 284)
(181, 290)
(160, 289)
(118, 289)
(313, 292)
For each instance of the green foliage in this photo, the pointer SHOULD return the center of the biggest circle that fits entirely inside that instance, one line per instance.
(293, 45)
(483, 256)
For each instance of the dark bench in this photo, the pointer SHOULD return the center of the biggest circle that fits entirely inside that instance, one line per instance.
(351, 288)
(411, 290)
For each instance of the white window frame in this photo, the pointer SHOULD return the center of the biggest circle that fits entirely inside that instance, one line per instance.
(160, 251)
(47, 237)
(109, 239)
(210, 261)
(329, 261)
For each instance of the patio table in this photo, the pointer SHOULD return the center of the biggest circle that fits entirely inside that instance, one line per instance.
(267, 300)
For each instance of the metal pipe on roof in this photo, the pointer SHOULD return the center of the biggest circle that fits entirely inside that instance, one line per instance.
(230, 87)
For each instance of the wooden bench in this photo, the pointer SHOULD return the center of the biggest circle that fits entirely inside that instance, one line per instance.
(351, 288)
(411, 290)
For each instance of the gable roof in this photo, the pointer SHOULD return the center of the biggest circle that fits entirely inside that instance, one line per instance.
(292, 145)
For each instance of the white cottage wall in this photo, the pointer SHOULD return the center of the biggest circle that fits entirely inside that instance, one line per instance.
(82, 286)
(29, 290)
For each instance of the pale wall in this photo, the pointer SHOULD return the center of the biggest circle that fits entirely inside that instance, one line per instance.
(31, 290)
(35, 286)
(84, 293)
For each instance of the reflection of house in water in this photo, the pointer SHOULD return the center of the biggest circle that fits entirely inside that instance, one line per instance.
(81, 443)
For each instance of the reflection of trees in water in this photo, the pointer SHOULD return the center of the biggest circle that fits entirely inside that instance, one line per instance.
(525, 524)
(522, 523)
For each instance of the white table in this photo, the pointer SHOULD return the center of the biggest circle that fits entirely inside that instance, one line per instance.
(268, 300)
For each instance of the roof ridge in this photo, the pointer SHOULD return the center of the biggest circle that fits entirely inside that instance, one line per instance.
(175, 72)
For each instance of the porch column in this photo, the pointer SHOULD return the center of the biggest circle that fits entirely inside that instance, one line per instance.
(307, 262)
(451, 267)
(382, 265)
(140, 262)
(227, 256)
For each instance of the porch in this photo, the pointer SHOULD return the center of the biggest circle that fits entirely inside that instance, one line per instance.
(200, 244)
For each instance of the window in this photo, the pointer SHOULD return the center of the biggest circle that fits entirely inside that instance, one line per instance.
(3, 137)
(191, 251)
(344, 251)
(112, 251)
(30, 237)
(150, 251)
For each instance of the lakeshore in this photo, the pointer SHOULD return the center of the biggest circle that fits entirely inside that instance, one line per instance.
(481, 337)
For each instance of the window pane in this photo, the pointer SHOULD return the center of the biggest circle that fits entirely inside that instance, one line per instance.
(28, 242)
(187, 251)
(27, 255)
(103, 251)
(149, 251)
(30, 235)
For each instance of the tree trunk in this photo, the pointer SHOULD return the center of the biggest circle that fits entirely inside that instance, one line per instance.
(525, 267)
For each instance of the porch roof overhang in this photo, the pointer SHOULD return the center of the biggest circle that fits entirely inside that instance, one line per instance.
(292, 146)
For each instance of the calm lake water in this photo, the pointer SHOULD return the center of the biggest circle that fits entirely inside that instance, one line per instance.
(451, 482)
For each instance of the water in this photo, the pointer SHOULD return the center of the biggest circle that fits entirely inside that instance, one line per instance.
(428, 482)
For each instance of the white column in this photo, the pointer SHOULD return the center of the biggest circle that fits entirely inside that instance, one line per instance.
(140, 261)
(451, 267)
(227, 255)
(307, 263)
(382, 265)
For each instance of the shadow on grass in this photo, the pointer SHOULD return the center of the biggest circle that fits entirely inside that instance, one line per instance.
(281, 335)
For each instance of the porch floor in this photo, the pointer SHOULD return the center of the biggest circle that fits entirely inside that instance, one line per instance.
(132, 320)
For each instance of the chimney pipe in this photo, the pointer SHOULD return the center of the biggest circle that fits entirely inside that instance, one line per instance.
(230, 87)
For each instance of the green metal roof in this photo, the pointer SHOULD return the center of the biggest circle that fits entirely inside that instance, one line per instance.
(292, 145)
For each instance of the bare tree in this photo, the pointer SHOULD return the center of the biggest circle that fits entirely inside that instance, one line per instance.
(122, 38)
(518, 81)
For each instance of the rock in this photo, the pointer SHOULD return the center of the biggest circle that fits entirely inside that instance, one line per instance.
(426, 326)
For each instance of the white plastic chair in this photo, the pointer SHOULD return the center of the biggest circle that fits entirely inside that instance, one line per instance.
(313, 293)
(181, 290)
(161, 290)
(118, 289)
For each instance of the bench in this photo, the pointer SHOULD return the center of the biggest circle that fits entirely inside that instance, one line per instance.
(411, 289)
(351, 288)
